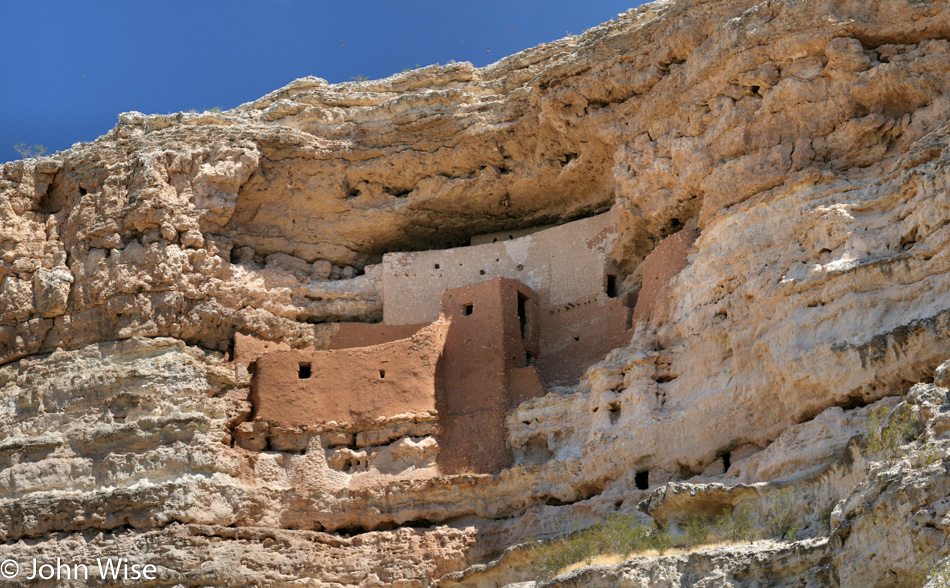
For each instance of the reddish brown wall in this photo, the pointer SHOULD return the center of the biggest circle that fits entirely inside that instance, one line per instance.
(663, 263)
(472, 367)
(484, 372)
(248, 347)
(351, 335)
(575, 336)
(353, 387)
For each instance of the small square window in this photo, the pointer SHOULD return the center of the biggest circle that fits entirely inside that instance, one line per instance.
(303, 371)
(467, 309)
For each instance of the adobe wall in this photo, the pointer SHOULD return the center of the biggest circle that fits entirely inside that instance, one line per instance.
(575, 336)
(485, 372)
(659, 267)
(561, 264)
(471, 368)
(507, 235)
(248, 347)
(352, 387)
(349, 335)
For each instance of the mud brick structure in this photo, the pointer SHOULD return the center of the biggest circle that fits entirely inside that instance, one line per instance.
(582, 313)
(352, 387)
(470, 367)
(468, 334)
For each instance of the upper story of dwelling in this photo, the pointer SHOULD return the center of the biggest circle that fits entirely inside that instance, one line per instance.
(564, 264)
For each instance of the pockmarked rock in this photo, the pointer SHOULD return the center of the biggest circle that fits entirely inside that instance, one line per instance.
(762, 320)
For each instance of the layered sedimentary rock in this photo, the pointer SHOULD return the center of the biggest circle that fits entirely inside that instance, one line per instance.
(780, 174)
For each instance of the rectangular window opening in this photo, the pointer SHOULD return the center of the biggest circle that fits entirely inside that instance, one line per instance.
(467, 309)
(612, 286)
(303, 370)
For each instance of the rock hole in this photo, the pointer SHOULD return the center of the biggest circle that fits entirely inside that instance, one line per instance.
(852, 402)
(537, 450)
(353, 193)
(467, 309)
(611, 286)
(481, 272)
(755, 89)
(520, 267)
(614, 412)
(382, 374)
(726, 461)
(642, 479)
(437, 266)
(665, 378)
(909, 240)
(303, 371)
(529, 359)
(576, 339)
(82, 191)
(567, 158)
(555, 502)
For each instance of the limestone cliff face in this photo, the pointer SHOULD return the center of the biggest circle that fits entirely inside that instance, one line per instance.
(804, 142)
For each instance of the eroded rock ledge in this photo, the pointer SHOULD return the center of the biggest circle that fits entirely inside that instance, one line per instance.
(795, 154)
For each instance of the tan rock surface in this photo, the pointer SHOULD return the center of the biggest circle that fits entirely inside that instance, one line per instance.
(806, 142)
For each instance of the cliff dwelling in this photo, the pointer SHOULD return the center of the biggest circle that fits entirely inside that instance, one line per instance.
(670, 295)
(467, 334)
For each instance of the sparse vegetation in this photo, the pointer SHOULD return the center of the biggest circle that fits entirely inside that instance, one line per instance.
(739, 524)
(885, 432)
(780, 517)
(29, 151)
(620, 536)
(697, 530)
(359, 78)
(929, 571)
(928, 454)
(826, 515)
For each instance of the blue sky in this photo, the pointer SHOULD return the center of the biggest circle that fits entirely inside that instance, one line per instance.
(70, 66)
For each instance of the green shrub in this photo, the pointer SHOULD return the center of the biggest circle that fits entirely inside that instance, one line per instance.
(739, 523)
(826, 515)
(927, 570)
(928, 454)
(780, 517)
(624, 534)
(885, 433)
(620, 534)
(359, 78)
(697, 530)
